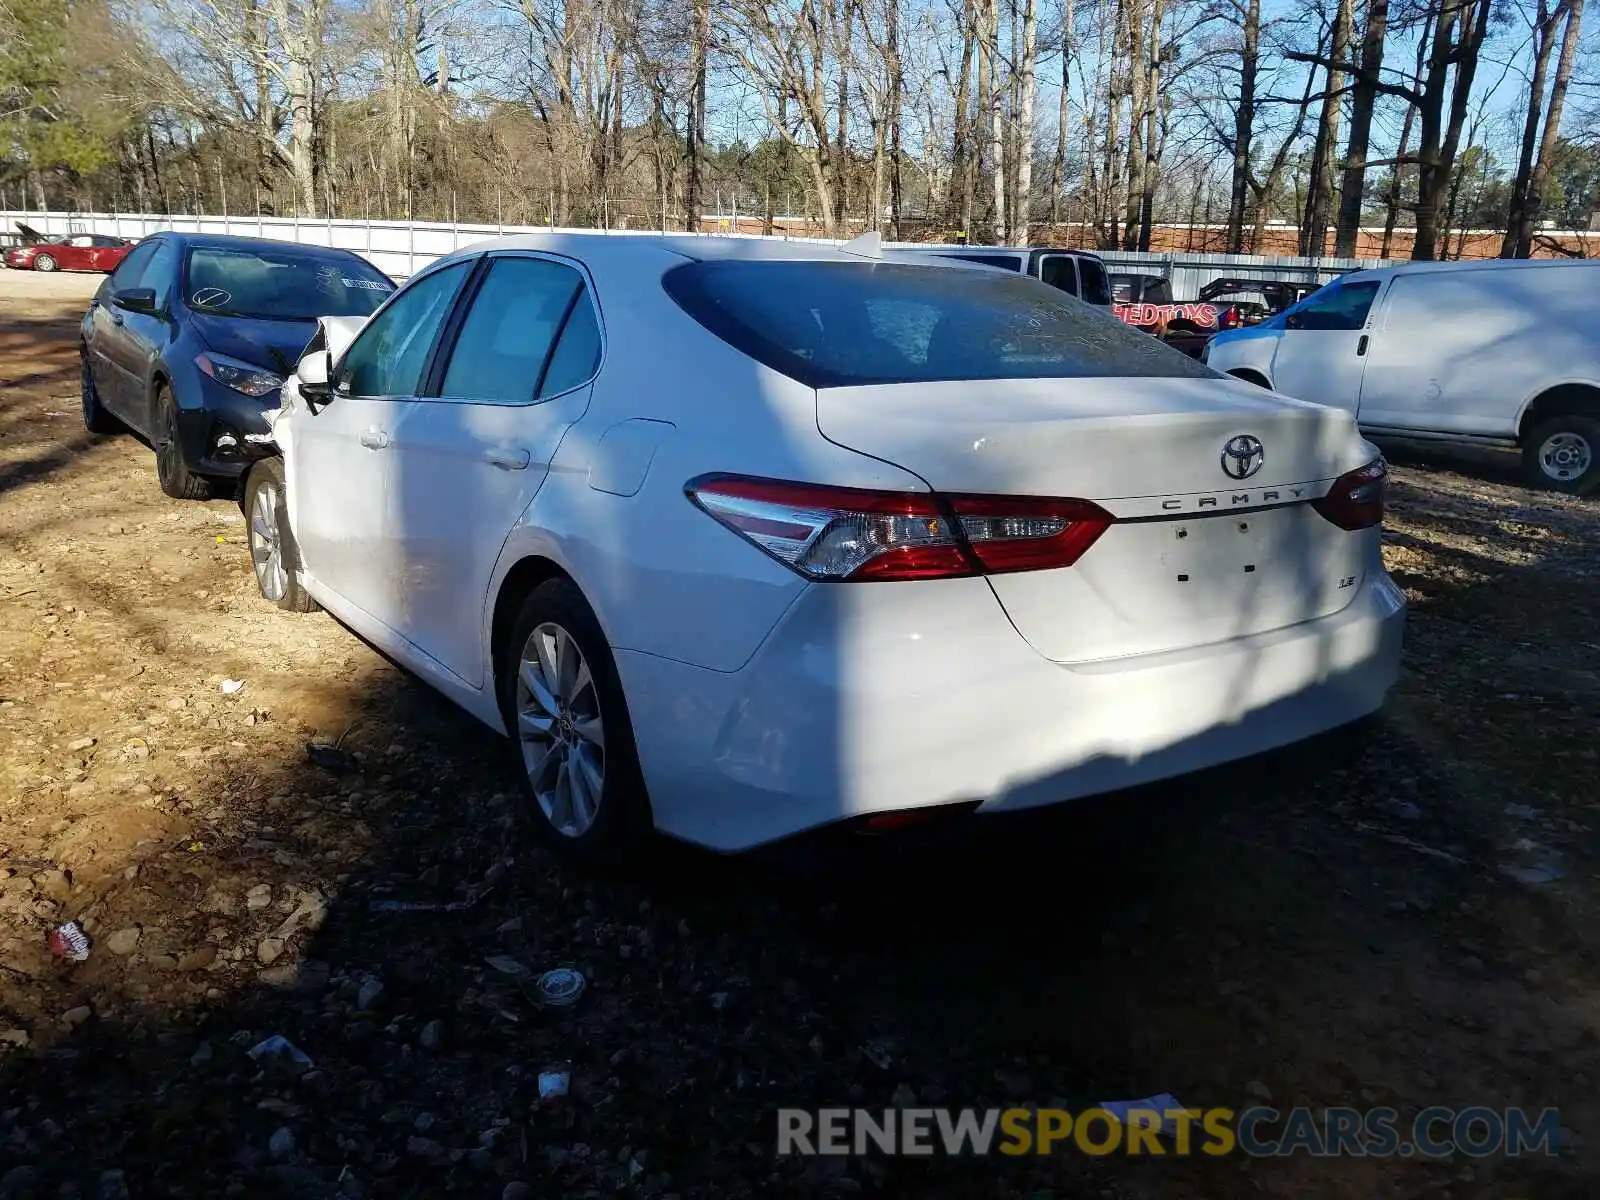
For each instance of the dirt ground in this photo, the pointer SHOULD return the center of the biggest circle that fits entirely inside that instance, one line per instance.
(1404, 916)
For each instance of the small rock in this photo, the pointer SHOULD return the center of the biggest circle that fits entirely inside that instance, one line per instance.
(14, 1037)
(281, 1145)
(515, 1190)
(203, 1054)
(198, 959)
(425, 1122)
(1407, 811)
(432, 1035)
(480, 1160)
(82, 743)
(368, 995)
(113, 1186)
(905, 1096)
(719, 1000)
(55, 884)
(269, 950)
(259, 896)
(74, 1017)
(163, 962)
(176, 703)
(1258, 1091)
(424, 1148)
(124, 941)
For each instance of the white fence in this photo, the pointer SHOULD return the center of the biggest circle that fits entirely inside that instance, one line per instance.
(402, 248)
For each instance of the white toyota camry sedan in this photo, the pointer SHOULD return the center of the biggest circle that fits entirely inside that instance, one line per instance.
(739, 538)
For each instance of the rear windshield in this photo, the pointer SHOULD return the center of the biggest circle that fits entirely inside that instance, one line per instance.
(282, 283)
(835, 324)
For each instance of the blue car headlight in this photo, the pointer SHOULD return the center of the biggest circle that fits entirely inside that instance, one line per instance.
(240, 376)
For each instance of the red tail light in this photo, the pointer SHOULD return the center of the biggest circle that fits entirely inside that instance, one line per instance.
(1355, 501)
(831, 533)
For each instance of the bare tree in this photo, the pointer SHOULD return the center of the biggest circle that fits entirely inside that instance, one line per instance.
(1313, 239)
(1244, 124)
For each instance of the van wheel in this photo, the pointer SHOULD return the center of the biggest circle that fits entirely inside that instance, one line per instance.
(573, 749)
(273, 551)
(1563, 454)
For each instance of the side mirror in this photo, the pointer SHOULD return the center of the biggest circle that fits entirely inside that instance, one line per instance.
(312, 373)
(137, 300)
(314, 369)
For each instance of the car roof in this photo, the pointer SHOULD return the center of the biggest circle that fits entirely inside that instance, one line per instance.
(617, 249)
(227, 241)
(1486, 264)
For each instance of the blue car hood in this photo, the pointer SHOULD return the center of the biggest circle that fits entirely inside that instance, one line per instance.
(273, 345)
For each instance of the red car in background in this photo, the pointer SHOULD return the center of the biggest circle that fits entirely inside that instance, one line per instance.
(68, 252)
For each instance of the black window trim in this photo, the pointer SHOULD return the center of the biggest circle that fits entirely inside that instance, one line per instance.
(439, 364)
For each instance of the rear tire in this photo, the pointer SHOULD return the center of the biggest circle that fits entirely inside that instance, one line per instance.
(172, 472)
(274, 554)
(44, 262)
(1563, 454)
(95, 418)
(572, 742)
(1251, 377)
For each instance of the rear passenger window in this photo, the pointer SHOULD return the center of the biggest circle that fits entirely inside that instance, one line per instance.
(577, 354)
(1096, 283)
(507, 336)
(1058, 271)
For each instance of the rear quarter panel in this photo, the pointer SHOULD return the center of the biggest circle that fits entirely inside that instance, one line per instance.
(663, 577)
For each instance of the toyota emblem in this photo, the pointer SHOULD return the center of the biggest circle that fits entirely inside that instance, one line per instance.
(1242, 456)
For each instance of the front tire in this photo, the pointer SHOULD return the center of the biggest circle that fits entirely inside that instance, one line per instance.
(274, 554)
(44, 262)
(172, 472)
(562, 702)
(95, 418)
(1563, 454)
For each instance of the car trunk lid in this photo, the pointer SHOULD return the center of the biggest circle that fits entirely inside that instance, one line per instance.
(1196, 556)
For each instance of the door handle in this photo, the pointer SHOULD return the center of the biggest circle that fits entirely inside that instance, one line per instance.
(507, 458)
(374, 439)
(116, 318)
(1361, 346)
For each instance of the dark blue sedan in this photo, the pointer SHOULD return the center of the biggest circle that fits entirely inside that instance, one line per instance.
(189, 340)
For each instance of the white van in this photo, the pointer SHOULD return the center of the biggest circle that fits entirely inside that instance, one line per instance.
(1504, 352)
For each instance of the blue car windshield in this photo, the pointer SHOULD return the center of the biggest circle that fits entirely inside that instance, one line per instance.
(284, 284)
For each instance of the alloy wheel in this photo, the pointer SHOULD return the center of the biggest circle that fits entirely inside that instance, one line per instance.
(560, 729)
(266, 548)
